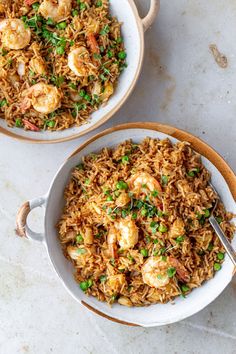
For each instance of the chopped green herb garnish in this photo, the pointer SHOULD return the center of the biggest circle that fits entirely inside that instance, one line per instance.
(171, 272)
(144, 252)
(18, 122)
(179, 239)
(112, 262)
(79, 239)
(184, 288)
(219, 219)
(81, 251)
(3, 102)
(155, 193)
(103, 278)
(210, 246)
(164, 180)
(105, 30)
(162, 228)
(35, 6)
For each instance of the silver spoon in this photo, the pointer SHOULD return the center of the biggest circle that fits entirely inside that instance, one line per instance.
(227, 245)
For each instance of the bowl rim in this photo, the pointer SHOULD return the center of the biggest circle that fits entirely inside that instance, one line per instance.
(108, 115)
(198, 145)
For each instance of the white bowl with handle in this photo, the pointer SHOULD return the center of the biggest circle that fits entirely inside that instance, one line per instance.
(133, 28)
(223, 179)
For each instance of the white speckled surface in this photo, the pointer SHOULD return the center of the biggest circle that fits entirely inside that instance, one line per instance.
(189, 91)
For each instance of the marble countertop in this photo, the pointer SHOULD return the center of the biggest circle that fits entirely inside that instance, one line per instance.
(180, 85)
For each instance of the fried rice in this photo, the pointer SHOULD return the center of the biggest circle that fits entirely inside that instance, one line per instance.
(59, 61)
(135, 223)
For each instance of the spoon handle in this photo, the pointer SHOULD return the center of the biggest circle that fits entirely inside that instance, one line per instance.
(227, 245)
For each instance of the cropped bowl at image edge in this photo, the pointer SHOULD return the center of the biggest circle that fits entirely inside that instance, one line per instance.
(51, 103)
(157, 314)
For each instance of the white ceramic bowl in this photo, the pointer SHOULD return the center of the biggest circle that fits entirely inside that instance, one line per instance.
(53, 202)
(133, 32)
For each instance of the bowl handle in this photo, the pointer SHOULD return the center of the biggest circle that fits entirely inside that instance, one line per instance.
(22, 229)
(152, 14)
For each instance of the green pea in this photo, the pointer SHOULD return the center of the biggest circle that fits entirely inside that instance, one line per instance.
(162, 228)
(217, 266)
(51, 123)
(134, 216)
(144, 252)
(61, 25)
(164, 258)
(109, 198)
(83, 285)
(122, 185)
(83, 6)
(125, 159)
(99, 4)
(122, 55)
(219, 219)
(155, 241)
(220, 256)
(207, 213)
(191, 173)
(75, 12)
(155, 193)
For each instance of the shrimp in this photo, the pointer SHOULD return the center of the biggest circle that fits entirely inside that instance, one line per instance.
(143, 182)
(125, 232)
(112, 242)
(38, 66)
(57, 11)
(115, 282)
(44, 98)
(155, 271)
(92, 42)
(14, 34)
(177, 228)
(80, 63)
(79, 254)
